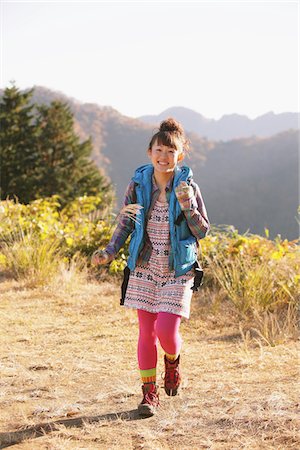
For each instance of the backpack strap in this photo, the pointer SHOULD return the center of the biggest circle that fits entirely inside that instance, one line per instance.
(126, 273)
(198, 280)
(179, 219)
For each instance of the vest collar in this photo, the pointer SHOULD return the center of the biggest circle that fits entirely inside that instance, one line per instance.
(168, 187)
(146, 172)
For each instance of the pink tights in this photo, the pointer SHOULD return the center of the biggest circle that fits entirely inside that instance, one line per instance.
(163, 326)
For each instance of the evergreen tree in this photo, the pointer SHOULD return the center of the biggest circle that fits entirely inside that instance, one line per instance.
(40, 153)
(17, 143)
(65, 165)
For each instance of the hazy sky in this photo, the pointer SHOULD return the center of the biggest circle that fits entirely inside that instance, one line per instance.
(216, 57)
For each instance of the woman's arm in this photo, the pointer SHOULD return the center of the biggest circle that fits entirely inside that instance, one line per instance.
(125, 225)
(193, 207)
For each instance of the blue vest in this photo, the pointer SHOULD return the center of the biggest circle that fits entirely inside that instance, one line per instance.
(183, 252)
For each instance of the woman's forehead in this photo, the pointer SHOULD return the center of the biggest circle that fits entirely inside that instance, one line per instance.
(162, 146)
(158, 144)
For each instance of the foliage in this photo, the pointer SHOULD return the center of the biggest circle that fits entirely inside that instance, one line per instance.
(27, 257)
(40, 153)
(260, 276)
(43, 228)
(18, 136)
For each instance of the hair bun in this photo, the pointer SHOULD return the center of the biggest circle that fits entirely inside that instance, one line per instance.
(171, 125)
(171, 134)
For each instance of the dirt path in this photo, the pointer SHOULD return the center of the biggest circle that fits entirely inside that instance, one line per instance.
(69, 378)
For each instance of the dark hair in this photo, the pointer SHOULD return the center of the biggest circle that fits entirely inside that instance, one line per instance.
(170, 134)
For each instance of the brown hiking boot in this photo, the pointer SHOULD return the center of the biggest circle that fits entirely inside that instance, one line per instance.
(150, 402)
(172, 376)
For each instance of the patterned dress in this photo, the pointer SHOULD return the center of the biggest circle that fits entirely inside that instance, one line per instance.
(153, 287)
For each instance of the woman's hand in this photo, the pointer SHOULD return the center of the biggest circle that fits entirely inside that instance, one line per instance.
(100, 257)
(184, 191)
(131, 211)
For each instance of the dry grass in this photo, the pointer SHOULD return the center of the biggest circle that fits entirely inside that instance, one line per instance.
(69, 377)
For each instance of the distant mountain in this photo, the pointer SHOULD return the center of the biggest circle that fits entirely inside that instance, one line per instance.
(114, 136)
(251, 183)
(229, 126)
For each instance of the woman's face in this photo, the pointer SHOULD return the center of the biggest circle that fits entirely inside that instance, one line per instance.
(163, 158)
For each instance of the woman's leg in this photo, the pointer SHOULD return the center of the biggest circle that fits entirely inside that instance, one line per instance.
(167, 330)
(147, 346)
(147, 357)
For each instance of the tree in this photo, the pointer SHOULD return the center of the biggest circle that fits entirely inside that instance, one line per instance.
(17, 142)
(65, 164)
(40, 153)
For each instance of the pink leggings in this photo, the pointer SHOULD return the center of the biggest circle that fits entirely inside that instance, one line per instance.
(163, 326)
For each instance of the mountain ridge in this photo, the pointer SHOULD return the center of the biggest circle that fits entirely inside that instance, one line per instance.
(248, 182)
(229, 126)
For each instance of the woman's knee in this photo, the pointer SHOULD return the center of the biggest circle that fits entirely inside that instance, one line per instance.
(167, 329)
(147, 331)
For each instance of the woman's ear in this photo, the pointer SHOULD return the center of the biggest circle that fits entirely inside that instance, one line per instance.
(149, 152)
(180, 156)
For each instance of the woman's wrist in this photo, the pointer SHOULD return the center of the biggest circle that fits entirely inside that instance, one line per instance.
(100, 253)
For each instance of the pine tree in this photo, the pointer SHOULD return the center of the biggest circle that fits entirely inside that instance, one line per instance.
(17, 143)
(40, 153)
(65, 165)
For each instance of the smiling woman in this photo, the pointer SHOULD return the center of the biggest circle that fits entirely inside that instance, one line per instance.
(167, 147)
(163, 158)
(165, 215)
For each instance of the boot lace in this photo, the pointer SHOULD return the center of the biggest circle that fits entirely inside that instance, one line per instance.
(151, 398)
(171, 377)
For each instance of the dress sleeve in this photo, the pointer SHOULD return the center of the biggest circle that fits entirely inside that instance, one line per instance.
(125, 225)
(195, 213)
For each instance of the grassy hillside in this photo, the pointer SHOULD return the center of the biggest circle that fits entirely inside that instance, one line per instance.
(69, 377)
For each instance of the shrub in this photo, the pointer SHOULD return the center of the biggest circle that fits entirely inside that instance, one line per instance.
(260, 277)
(35, 237)
(28, 257)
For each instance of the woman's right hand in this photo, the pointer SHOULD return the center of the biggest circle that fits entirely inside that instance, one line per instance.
(131, 211)
(100, 257)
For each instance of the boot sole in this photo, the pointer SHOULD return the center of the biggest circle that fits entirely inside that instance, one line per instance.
(146, 410)
(171, 392)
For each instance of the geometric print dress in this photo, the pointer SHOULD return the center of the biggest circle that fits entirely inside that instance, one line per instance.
(153, 287)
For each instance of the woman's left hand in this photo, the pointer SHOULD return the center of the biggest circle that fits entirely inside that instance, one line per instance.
(184, 191)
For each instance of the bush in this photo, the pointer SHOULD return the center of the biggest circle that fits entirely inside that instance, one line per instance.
(260, 277)
(34, 238)
(26, 256)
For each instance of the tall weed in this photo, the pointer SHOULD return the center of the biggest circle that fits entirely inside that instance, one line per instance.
(29, 258)
(261, 278)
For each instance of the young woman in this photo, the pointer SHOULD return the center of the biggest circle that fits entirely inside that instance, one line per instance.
(165, 215)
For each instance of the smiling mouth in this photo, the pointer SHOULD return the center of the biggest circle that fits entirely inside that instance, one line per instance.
(163, 164)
